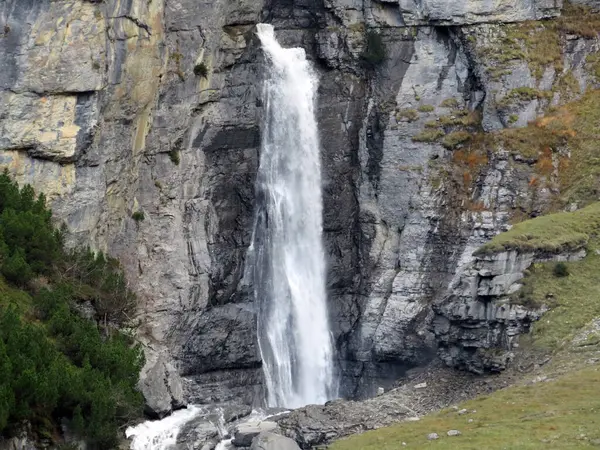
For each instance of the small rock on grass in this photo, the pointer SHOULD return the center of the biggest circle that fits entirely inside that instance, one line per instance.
(454, 433)
(432, 436)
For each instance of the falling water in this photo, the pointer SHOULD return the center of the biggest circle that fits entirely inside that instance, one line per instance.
(288, 266)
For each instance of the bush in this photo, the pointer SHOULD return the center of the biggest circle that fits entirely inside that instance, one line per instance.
(375, 52)
(99, 279)
(407, 115)
(450, 103)
(455, 139)
(200, 70)
(174, 157)
(16, 269)
(560, 270)
(138, 216)
(429, 135)
(53, 363)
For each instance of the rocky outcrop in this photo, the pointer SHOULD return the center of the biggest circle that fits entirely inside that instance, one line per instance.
(161, 384)
(319, 424)
(103, 110)
(477, 325)
(444, 12)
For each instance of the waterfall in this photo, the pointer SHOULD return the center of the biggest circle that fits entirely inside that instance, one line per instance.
(286, 255)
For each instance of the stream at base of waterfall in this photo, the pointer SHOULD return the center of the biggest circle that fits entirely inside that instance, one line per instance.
(285, 264)
(205, 428)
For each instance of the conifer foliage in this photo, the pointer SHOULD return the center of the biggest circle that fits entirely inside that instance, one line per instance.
(56, 366)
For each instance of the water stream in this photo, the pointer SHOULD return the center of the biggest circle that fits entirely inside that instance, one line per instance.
(160, 434)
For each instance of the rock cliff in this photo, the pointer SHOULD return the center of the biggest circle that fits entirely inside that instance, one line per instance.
(141, 119)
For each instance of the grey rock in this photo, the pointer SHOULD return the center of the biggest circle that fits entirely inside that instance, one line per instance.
(245, 432)
(476, 323)
(197, 433)
(447, 12)
(271, 441)
(432, 436)
(454, 433)
(210, 426)
(321, 424)
(161, 385)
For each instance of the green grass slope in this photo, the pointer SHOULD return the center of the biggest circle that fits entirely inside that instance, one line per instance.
(559, 414)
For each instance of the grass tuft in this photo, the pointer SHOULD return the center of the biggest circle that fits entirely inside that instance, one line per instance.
(429, 135)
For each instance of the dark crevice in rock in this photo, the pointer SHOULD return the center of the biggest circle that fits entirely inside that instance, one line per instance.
(136, 21)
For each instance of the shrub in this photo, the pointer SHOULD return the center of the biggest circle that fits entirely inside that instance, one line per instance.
(456, 138)
(16, 269)
(426, 108)
(174, 157)
(55, 364)
(375, 52)
(138, 216)
(560, 270)
(409, 115)
(201, 70)
(450, 103)
(429, 135)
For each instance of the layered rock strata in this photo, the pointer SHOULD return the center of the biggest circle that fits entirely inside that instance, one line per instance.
(113, 108)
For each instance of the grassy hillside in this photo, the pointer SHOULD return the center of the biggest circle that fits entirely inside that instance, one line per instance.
(559, 414)
(55, 366)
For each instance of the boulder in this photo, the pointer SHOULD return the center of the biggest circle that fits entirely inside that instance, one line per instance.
(160, 384)
(272, 441)
(244, 433)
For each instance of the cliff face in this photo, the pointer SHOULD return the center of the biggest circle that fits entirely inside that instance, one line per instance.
(106, 109)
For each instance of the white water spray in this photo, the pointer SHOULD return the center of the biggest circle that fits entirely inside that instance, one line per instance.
(160, 434)
(288, 265)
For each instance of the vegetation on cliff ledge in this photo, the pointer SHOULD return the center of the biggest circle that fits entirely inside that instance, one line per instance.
(56, 366)
(553, 233)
